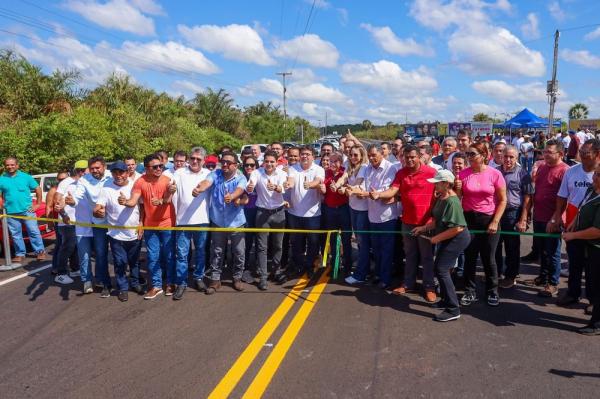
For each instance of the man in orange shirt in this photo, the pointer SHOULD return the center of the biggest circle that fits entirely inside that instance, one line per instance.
(156, 191)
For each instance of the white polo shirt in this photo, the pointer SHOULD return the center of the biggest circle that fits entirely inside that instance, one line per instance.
(116, 214)
(264, 198)
(305, 203)
(189, 209)
(380, 179)
(68, 185)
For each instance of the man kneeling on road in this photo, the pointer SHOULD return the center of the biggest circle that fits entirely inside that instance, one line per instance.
(124, 244)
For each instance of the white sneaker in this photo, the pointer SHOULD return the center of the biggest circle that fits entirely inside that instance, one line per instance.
(564, 272)
(87, 287)
(76, 273)
(351, 280)
(63, 279)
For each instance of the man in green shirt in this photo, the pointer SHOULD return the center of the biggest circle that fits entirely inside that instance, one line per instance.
(15, 189)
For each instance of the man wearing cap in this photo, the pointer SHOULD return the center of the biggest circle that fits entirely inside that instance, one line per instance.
(91, 239)
(125, 244)
(15, 190)
(67, 215)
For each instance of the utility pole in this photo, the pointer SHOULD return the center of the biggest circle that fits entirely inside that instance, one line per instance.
(325, 123)
(552, 86)
(283, 75)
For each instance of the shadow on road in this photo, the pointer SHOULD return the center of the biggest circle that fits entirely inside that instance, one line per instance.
(573, 374)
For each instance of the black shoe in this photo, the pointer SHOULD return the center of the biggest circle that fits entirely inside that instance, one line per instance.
(589, 330)
(310, 272)
(179, 292)
(262, 285)
(105, 292)
(493, 300)
(530, 257)
(247, 277)
(54, 272)
(280, 278)
(123, 296)
(138, 289)
(468, 298)
(200, 285)
(446, 316)
(439, 305)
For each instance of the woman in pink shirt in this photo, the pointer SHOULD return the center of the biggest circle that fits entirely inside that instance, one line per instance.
(483, 191)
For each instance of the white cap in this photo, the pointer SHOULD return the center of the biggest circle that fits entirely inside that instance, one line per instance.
(442, 175)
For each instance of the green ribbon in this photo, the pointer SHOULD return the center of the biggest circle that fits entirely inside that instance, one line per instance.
(503, 232)
(336, 262)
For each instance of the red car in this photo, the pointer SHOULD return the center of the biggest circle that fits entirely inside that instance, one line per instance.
(46, 228)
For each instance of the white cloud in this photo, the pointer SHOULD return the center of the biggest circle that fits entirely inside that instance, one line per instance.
(440, 15)
(188, 87)
(68, 53)
(343, 16)
(581, 57)
(387, 40)
(235, 42)
(309, 50)
(531, 29)
(595, 34)
(485, 50)
(165, 57)
(505, 92)
(387, 76)
(149, 7)
(310, 109)
(317, 92)
(118, 14)
(556, 11)
(323, 4)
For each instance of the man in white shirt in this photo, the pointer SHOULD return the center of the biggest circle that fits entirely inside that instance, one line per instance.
(131, 168)
(125, 244)
(68, 246)
(526, 151)
(383, 214)
(88, 238)
(566, 139)
(191, 209)
(497, 155)
(305, 209)
(268, 182)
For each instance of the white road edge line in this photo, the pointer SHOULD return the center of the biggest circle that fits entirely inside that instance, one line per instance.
(29, 273)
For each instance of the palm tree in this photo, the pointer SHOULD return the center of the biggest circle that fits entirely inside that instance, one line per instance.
(216, 109)
(367, 124)
(578, 111)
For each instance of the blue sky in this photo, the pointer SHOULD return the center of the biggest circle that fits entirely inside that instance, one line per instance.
(415, 60)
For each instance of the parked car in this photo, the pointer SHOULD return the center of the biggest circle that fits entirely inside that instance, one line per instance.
(46, 228)
(46, 181)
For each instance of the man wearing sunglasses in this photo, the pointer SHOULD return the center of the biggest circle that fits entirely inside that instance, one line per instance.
(226, 188)
(191, 208)
(156, 191)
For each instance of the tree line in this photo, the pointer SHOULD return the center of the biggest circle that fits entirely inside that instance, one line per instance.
(49, 121)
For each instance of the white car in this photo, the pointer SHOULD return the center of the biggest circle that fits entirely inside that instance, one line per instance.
(46, 181)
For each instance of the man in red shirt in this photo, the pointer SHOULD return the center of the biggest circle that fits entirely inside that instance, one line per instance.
(547, 183)
(156, 191)
(416, 197)
(336, 210)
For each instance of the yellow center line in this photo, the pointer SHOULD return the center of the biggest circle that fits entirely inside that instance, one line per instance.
(265, 375)
(237, 371)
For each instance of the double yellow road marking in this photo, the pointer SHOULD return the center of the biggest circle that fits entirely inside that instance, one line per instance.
(269, 368)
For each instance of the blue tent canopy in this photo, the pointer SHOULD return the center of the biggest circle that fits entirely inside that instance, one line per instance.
(527, 119)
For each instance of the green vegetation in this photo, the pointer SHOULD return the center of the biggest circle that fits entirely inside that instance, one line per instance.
(48, 122)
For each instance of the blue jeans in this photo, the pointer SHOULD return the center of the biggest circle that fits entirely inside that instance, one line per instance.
(160, 242)
(126, 253)
(15, 226)
(383, 249)
(99, 242)
(182, 251)
(250, 214)
(550, 262)
(339, 219)
(360, 222)
(304, 242)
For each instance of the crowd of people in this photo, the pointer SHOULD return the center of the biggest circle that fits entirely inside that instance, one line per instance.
(425, 204)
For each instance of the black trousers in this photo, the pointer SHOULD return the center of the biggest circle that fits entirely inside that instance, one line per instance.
(445, 259)
(484, 245)
(592, 256)
(510, 264)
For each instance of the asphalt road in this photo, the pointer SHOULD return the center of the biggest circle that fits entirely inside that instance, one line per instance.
(344, 343)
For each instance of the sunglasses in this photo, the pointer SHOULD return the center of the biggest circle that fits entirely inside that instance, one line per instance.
(249, 165)
(227, 163)
(471, 154)
(157, 167)
(210, 165)
(199, 159)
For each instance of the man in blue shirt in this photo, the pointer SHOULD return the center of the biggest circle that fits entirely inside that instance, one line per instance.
(227, 195)
(15, 188)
